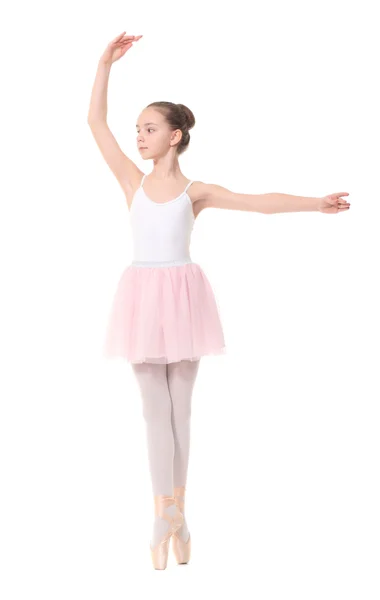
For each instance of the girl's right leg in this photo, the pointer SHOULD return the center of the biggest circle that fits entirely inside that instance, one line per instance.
(157, 412)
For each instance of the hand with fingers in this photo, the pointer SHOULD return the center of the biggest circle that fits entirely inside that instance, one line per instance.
(118, 47)
(333, 203)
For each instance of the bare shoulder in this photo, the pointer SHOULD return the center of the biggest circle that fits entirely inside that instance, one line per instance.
(198, 193)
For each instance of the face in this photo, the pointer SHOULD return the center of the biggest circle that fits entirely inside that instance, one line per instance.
(153, 133)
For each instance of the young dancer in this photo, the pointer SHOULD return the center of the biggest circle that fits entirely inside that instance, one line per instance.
(164, 316)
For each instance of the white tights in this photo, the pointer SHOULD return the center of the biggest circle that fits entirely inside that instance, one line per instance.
(166, 392)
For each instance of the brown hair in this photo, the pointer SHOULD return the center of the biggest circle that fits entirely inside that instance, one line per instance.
(178, 116)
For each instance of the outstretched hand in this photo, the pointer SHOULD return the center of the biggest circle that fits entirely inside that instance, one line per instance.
(118, 47)
(333, 203)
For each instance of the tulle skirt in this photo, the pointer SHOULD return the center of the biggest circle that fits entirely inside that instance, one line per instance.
(163, 314)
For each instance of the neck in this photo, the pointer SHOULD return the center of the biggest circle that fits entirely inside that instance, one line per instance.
(166, 168)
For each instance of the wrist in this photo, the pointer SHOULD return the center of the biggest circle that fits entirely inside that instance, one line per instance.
(103, 62)
(318, 203)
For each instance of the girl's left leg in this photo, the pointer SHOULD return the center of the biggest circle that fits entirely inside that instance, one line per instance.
(181, 378)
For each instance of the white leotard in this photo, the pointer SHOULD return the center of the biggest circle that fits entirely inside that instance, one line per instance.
(161, 231)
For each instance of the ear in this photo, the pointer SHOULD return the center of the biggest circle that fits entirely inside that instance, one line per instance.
(176, 136)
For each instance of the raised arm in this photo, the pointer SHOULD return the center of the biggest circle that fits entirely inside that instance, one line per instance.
(125, 170)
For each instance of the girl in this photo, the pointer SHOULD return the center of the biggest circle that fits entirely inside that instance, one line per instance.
(164, 316)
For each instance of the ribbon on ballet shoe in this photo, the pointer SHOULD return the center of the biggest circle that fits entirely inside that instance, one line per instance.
(179, 495)
(162, 502)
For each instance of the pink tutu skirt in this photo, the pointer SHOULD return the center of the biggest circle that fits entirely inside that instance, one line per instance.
(163, 315)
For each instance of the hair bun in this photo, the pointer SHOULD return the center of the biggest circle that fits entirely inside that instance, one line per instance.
(190, 119)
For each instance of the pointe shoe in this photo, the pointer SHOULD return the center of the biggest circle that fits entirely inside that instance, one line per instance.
(160, 553)
(181, 549)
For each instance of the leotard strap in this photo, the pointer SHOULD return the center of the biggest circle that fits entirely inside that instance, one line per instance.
(188, 185)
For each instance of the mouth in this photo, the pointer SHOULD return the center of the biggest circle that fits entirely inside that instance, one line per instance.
(143, 148)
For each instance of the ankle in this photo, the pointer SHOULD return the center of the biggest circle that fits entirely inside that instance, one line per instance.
(179, 490)
(179, 496)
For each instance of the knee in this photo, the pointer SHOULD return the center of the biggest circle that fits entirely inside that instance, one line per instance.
(182, 410)
(156, 411)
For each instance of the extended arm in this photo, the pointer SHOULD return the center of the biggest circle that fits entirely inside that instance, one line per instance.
(216, 196)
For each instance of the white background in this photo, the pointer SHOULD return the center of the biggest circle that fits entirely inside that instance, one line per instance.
(283, 483)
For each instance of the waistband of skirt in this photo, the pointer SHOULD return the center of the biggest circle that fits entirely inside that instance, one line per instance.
(165, 263)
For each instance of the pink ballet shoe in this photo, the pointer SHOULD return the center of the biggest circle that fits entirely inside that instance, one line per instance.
(160, 553)
(181, 549)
